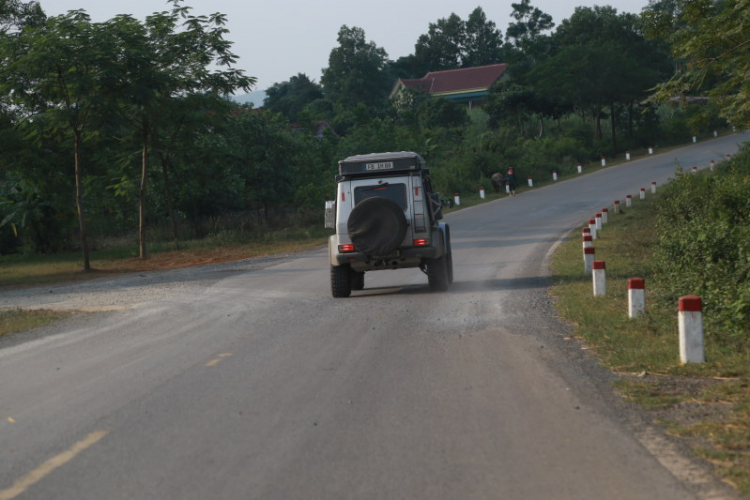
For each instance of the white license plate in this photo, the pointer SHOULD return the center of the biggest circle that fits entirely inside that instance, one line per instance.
(386, 165)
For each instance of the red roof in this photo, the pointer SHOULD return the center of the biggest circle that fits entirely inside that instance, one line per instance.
(456, 80)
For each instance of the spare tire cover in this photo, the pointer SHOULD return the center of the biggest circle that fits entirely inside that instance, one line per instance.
(376, 226)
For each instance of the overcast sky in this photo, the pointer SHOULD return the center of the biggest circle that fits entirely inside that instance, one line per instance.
(277, 39)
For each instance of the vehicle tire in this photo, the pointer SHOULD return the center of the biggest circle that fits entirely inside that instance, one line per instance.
(449, 254)
(358, 280)
(376, 226)
(437, 273)
(341, 281)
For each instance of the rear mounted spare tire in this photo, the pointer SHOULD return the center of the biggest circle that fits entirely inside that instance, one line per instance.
(376, 226)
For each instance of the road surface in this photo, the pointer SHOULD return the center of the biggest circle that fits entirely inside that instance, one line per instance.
(247, 380)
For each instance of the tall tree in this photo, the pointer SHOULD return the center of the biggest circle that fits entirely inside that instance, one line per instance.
(355, 72)
(441, 47)
(483, 43)
(290, 98)
(53, 74)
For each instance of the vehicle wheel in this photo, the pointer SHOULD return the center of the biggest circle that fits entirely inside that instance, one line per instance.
(341, 281)
(376, 226)
(437, 273)
(357, 280)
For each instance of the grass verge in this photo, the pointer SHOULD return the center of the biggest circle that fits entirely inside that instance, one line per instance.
(707, 404)
(16, 320)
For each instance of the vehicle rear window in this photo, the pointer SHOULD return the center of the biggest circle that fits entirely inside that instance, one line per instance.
(393, 192)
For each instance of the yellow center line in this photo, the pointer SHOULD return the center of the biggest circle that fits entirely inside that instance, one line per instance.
(50, 465)
(216, 361)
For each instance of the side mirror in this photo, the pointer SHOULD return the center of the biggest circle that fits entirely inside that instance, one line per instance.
(330, 214)
(436, 206)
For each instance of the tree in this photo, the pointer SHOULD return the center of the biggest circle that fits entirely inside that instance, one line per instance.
(529, 26)
(483, 43)
(712, 39)
(53, 75)
(355, 72)
(290, 98)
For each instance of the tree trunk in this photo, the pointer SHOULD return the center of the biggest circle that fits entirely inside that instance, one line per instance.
(613, 119)
(142, 195)
(79, 200)
(541, 127)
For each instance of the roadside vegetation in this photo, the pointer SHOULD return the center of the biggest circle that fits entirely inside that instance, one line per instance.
(691, 238)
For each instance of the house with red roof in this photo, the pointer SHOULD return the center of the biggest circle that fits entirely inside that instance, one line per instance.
(465, 85)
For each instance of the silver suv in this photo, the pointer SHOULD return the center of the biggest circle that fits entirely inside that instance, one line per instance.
(386, 217)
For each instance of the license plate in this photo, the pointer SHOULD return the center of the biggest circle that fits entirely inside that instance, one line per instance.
(386, 165)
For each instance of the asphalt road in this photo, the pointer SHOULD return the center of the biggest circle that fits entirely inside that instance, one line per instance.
(247, 380)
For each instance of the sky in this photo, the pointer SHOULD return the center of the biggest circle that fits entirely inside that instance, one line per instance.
(277, 39)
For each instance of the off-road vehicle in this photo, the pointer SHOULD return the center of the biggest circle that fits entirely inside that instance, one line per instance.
(386, 216)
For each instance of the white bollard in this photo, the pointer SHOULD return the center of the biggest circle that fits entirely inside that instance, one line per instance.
(690, 320)
(600, 278)
(650, 150)
(605, 215)
(694, 170)
(587, 241)
(554, 175)
(589, 254)
(598, 222)
(712, 164)
(507, 189)
(636, 297)
(617, 206)
(604, 162)
(481, 193)
(580, 168)
(531, 182)
(456, 199)
(628, 201)
(653, 187)
(716, 134)
(627, 155)
(585, 230)
(592, 227)
(695, 139)
(643, 193)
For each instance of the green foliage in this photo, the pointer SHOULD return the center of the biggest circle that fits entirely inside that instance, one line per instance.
(704, 246)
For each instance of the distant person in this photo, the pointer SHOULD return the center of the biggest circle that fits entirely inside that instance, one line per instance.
(510, 178)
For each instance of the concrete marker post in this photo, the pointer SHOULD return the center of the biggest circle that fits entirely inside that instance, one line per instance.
(650, 150)
(605, 215)
(604, 162)
(636, 297)
(653, 187)
(712, 164)
(694, 170)
(695, 139)
(627, 155)
(531, 182)
(456, 199)
(481, 192)
(587, 241)
(628, 201)
(585, 230)
(598, 221)
(589, 254)
(643, 193)
(554, 175)
(716, 134)
(600, 278)
(592, 227)
(690, 322)
(580, 168)
(507, 189)
(617, 206)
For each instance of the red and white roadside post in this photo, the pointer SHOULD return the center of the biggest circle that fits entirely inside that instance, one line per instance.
(580, 168)
(653, 187)
(592, 227)
(604, 162)
(636, 297)
(589, 254)
(650, 150)
(617, 206)
(456, 199)
(694, 170)
(643, 193)
(628, 201)
(627, 155)
(598, 221)
(587, 241)
(716, 134)
(600, 278)
(554, 175)
(695, 139)
(712, 164)
(481, 192)
(690, 320)
(605, 215)
(531, 182)
(507, 189)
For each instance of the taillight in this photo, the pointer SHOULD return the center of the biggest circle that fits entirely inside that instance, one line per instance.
(347, 248)
(421, 242)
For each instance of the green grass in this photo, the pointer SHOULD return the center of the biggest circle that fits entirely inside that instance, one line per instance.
(645, 350)
(16, 320)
